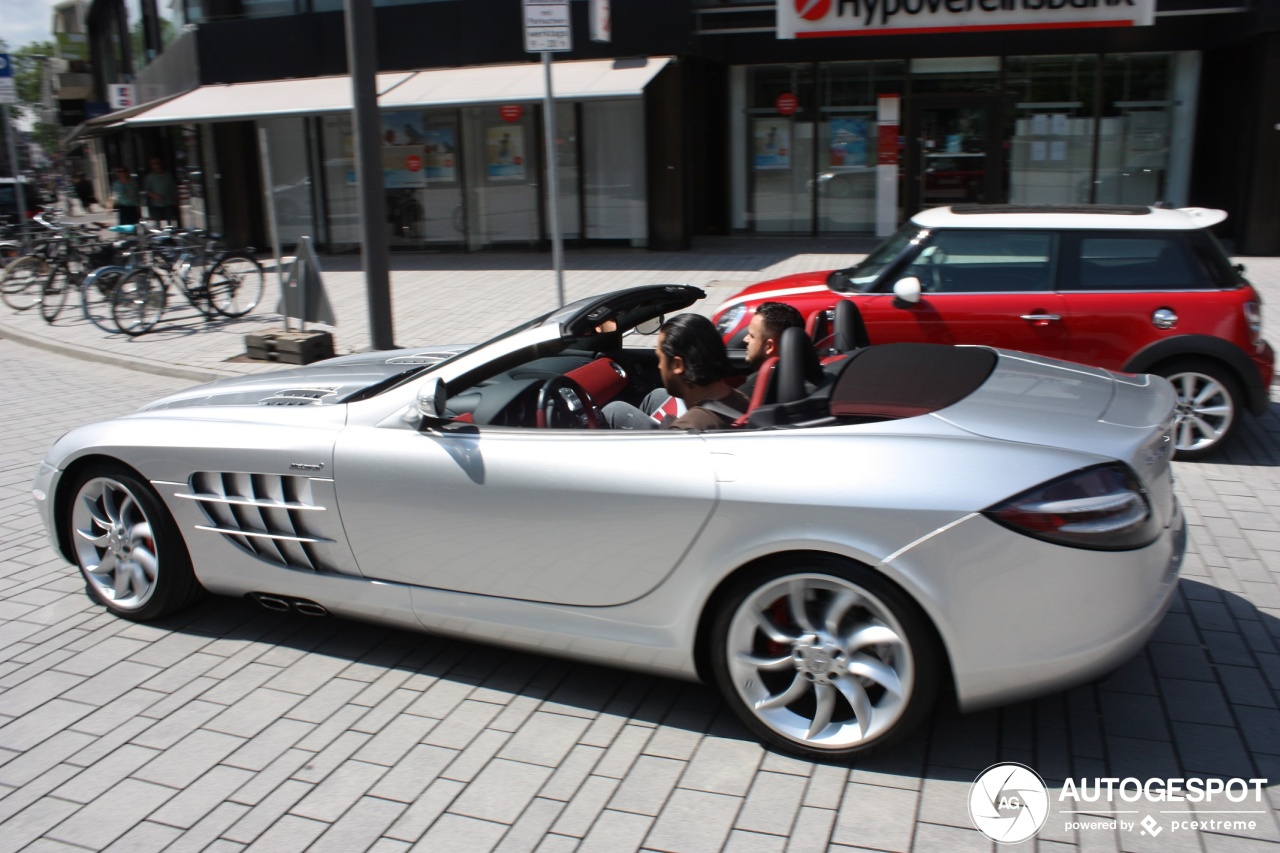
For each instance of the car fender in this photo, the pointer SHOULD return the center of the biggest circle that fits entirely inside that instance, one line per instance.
(1209, 347)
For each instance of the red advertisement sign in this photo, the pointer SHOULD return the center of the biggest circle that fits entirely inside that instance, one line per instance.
(511, 112)
(888, 148)
(786, 104)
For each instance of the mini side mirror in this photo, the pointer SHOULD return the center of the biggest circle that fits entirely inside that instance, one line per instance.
(649, 327)
(908, 289)
(432, 398)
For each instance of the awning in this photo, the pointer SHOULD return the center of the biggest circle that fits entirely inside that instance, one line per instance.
(493, 84)
(501, 84)
(239, 101)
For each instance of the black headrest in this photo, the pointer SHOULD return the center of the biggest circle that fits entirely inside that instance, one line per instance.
(849, 328)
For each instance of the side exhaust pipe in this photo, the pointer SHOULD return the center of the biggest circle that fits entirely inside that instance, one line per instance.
(284, 605)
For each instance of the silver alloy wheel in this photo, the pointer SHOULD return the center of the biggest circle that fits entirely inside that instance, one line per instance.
(820, 660)
(1205, 410)
(115, 543)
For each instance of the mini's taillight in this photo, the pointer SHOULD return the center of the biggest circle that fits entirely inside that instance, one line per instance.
(1103, 508)
(1253, 316)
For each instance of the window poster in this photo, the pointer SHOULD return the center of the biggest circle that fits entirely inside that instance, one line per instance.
(848, 141)
(439, 154)
(772, 138)
(504, 152)
(403, 150)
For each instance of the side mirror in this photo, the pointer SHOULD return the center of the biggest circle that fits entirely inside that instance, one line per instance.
(908, 289)
(432, 398)
(650, 327)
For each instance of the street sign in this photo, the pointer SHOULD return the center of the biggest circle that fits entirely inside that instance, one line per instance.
(547, 26)
(121, 95)
(8, 87)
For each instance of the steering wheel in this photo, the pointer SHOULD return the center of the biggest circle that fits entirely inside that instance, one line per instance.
(563, 403)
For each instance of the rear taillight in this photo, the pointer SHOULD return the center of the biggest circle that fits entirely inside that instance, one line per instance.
(1104, 508)
(1253, 316)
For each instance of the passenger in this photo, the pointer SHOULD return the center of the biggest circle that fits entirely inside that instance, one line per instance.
(694, 367)
(764, 335)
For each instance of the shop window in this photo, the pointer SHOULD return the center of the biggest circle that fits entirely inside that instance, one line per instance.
(613, 172)
(1051, 149)
(1136, 128)
(848, 133)
(780, 134)
(340, 184)
(290, 178)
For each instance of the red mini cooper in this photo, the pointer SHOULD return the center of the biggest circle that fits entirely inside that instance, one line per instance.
(1136, 289)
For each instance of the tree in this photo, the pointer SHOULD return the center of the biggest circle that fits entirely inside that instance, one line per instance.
(29, 68)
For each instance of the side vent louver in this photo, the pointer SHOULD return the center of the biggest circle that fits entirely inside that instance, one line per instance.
(299, 397)
(273, 517)
(418, 358)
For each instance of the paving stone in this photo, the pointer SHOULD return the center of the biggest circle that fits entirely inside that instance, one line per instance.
(253, 823)
(527, 832)
(464, 722)
(35, 820)
(269, 744)
(545, 738)
(188, 759)
(741, 841)
(289, 834)
(146, 837)
(359, 828)
(723, 766)
(113, 813)
(581, 811)
(572, 772)
(694, 821)
(332, 756)
(773, 804)
(812, 830)
(472, 760)
(867, 817)
(249, 716)
(424, 810)
(26, 766)
(454, 832)
(379, 716)
(616, 831)
(206, 831)
(201, 797)
(181, 723)
(89, 784)
(622, 753)
(340, 789)
(413, 773)
(501, 791)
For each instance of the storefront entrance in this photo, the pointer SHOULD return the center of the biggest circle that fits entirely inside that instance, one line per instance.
(953, 150)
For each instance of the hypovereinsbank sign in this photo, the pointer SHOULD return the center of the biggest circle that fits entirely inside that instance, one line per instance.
(826, 18)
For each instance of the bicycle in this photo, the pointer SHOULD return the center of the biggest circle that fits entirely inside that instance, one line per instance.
(232, 285)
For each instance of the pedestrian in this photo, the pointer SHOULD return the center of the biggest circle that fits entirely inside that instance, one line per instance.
(161, 193)
(83, 189)
(124, 196)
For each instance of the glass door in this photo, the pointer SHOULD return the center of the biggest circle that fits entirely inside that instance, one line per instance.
(953, 151)
(501, 163)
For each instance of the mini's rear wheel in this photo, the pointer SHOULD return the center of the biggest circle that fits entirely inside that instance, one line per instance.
(1209, 397)
(823, 657)
(126, 545)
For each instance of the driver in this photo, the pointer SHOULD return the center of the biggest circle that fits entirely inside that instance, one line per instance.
(694, 366)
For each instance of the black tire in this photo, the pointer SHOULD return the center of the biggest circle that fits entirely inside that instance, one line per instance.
(54, 295)
(823, 657)
(96, 292)
(126, 545)
(138, 302)
(234, 285)
(22, 285)
(1209, 404)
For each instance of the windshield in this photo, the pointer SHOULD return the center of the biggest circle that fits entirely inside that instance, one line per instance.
(862, 276)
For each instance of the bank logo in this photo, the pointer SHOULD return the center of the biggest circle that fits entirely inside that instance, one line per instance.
(1149, 826)
(812, 10)
(1008, 803)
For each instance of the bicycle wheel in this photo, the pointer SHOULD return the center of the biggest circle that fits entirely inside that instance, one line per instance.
(234, 285)
(54, 295)
(23, 283)
(138, 301)
(95, 296)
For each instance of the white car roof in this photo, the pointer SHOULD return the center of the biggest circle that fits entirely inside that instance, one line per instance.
(1080, 216)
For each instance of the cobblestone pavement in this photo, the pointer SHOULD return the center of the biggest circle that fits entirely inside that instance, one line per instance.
(230, 727)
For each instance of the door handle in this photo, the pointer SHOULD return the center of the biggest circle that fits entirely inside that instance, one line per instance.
(1041, 318)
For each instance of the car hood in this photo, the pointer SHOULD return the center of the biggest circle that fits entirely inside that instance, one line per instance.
(778, 288)
(323, 383)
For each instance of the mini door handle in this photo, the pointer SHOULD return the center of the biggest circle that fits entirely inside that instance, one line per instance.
(1042, 318)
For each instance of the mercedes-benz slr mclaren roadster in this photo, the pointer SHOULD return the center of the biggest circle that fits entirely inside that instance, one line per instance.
(917, 521)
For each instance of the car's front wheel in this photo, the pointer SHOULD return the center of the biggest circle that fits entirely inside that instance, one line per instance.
(127, 546)
(823, 657)
(1208, 405)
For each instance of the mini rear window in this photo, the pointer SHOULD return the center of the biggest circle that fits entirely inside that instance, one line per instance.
(1118, 262)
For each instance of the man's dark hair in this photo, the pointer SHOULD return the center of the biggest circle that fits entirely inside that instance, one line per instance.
(778, 317)
(693, 338)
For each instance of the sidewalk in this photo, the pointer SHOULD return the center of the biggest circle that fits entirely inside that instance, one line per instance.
(465, 298)
(436, 299)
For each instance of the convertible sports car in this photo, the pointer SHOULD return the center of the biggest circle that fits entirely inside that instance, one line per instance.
(919, 521)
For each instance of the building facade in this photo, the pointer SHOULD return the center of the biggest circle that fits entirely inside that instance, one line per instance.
(701, 117)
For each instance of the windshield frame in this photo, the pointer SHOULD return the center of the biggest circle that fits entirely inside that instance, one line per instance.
(863, 276)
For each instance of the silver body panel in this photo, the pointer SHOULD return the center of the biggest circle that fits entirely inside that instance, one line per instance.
(607, 546)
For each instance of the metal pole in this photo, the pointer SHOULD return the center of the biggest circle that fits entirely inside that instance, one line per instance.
(553, 183)
(267, 190)
(362, 61)
(9, 133)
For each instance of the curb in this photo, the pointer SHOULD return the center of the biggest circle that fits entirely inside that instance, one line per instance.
(142, 365)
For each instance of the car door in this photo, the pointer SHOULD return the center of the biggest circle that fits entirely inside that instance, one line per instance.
(583, 517)
(991, 287)
(1124, 290)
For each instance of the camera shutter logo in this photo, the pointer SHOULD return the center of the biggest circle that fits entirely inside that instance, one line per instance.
(1008, 803)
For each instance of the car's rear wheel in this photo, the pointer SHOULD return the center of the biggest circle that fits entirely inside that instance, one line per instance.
(823, 657)
(1209, 398)
(127, 546)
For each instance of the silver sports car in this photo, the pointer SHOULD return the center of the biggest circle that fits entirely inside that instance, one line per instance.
(917, 521)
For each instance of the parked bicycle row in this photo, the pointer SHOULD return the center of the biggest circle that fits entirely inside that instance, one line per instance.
(125, 275)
